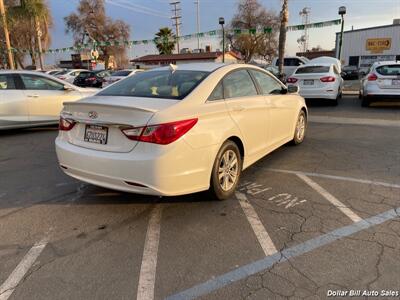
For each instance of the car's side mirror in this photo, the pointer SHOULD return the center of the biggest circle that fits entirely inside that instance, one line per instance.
(68, 88)
(292, 89)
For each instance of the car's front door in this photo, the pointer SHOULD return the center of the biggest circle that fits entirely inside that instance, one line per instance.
(282, 109)
(248, 110)
(45, 97)
(13, 105)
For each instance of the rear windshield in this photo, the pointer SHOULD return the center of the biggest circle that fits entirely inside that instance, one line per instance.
(121, 73)
(389, 70)
(85, 74)
(313, 69)
(157, 84)
(63, 72)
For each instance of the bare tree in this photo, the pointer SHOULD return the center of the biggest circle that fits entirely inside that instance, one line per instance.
(91, 20)
(282, 34)
(252, 15)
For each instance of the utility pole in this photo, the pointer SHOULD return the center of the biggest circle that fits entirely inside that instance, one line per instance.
(342, 12)
(39, 42)
(7, 36)
(304, 39)
(176, 19)
(197, 2)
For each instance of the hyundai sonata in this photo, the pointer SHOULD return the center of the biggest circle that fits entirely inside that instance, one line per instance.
(179, 129)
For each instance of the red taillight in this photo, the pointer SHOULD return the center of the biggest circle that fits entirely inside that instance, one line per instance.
(162, 134)
(372, 77)
(91, 78)
(291, 80)
(328, 79)
(65, 124)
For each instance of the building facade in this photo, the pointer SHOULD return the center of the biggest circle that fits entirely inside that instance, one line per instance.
(363, 47)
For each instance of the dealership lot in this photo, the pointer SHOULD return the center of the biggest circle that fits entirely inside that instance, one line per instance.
(305, 220)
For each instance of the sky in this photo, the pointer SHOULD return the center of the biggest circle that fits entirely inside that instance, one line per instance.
(145, 17)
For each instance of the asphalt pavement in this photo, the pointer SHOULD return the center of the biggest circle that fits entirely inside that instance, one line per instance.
(307, 222)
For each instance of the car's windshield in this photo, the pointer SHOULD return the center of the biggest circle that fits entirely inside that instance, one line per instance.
(389, 70)
(157, 84)
(312, 69)
(122, 73)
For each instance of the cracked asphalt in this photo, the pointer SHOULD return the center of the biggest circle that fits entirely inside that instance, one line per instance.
(97, 236)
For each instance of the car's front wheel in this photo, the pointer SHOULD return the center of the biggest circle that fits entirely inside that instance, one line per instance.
(226, 171)
(301, 127)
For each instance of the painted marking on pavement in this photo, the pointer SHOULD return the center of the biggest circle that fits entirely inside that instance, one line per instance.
(262, 235)
(343, 208)
(385, 184)
(354, 121)
(147, 277)
(8, 287)
(289, 253)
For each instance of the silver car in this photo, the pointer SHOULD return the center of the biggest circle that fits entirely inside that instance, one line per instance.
(30, 99)
(381, 82)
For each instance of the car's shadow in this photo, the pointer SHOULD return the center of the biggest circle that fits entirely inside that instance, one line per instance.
(30, 130)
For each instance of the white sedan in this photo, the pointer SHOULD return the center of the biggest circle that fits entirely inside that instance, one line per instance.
(69, 75)
(31, 98)
(321, 81)
(179, 129)
(118, 75)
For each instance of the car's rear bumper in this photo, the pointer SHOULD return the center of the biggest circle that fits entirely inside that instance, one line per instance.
(325, 93)
(148, 169)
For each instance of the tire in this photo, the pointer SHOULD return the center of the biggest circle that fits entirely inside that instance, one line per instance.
(228, 151)
(365, 102)
(297, 137)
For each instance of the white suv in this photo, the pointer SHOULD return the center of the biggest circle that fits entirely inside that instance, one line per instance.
(381, 82)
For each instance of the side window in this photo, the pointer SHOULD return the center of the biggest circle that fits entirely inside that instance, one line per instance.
(218, 93)
(291, 62)
(267, 84)
(7, 82)
(33, 82)
(239, 84)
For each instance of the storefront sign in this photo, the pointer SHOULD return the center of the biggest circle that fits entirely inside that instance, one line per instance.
(378, 45)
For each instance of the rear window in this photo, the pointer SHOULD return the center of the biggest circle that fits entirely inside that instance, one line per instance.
(121, 73)
(63, 72)
(389, 70)
(157, 84)
(312, 70)
(85, 74)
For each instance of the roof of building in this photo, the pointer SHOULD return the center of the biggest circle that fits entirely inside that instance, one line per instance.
(370, 28)
(183, 56)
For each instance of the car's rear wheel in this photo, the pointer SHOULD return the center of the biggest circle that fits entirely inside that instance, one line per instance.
(226, 171)
(365, 102)
(300, 130)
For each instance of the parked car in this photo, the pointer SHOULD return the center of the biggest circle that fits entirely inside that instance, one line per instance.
(381, 82)
(350, 72)
(318, 81)
(118, 75)
(290, 63)
(54, 72)
(179, 129)
(91, 78)
(31, 98)
(275, 71)
(69, 75)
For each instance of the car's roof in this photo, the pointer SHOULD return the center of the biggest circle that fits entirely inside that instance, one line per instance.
(23, 72)
(206, 67)
(316, 65)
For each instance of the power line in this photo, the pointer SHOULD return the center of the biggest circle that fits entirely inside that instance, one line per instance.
(142, 7)
(129, 7)
(176, 19)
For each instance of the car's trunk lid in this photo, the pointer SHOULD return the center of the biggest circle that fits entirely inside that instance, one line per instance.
(99, 120)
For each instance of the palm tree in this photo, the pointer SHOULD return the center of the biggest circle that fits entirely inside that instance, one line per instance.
(165, 40)
(282, 34)
(26, 21)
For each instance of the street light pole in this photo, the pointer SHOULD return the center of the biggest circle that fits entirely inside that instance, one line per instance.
(342, 12)
(7, 36)
(222, 22)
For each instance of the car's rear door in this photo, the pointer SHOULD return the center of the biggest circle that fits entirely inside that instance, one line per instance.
(13, 105)
(248, 110)
(45, 97)
(281, 108)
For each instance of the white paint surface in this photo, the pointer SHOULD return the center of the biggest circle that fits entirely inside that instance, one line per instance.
(147, 275)
(343, 208)
(8, 287)
(261, 233)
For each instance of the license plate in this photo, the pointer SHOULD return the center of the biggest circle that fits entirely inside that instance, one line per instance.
(96, 134)
(396, 82)
(308, 82)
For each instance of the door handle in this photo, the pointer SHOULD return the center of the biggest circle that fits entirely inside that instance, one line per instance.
(238, 108)
(33, 96)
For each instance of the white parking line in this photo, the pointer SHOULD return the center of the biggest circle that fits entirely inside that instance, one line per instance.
(262, 235)
(147, 275)
(8, 287)
(385, 184)
(354, 121)
(343, 208)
